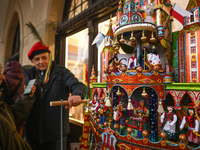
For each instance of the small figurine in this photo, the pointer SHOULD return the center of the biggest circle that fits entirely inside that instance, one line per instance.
(170, 125)
(114, 65)
(149, 10)
(154, 60)
(139, 69)
(145, 113)
(117, 115)
(101, 110)
(140, 126)
(94, 103)
(132, 62)
(193, 126)
(141, 58)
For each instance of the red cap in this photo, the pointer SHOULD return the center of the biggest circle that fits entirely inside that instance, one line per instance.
(36, 49)
(191, 106)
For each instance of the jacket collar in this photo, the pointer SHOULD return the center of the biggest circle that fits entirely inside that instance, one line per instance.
(31, 72)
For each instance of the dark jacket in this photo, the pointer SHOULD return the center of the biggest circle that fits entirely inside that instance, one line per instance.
(9, 118)
(13, 73)
(43, 124)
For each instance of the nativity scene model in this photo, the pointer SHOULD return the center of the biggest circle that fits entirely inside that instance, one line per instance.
(149, 92)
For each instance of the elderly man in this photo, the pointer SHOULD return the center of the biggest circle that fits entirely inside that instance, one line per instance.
(12, 116)
(53, 84)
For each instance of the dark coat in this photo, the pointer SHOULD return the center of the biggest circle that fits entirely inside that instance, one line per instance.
(13, 73)
(9, 118)
(43, 124)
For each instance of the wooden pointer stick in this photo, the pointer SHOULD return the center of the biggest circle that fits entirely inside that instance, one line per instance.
(58, 103)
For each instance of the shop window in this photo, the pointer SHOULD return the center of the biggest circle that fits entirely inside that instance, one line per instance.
(76, 59)
(16, 45)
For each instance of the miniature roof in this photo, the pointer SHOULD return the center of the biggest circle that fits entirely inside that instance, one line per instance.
(110, 31)
(93, 76)
(192, 4)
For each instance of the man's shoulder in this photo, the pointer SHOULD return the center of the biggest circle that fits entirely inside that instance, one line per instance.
(29, 71)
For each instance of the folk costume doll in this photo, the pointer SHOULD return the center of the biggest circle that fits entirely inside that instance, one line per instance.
(154, 59)
(101, 110)
(140, 59)
(193, 126)
(94, 103)
(145, 113)
(114, 64)
(140, 126)
(170, 125)
(132, 62)
(117, 115)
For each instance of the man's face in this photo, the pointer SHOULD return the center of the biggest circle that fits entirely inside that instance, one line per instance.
(133, 55)
(41, 61)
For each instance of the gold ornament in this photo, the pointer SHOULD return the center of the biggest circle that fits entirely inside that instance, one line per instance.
(132, 38)
(95, 116)
(122, 40)
(152, 39)
(129, 130)
(92, 113)
(118, 92)
(105, 123)
(116, 126)
(163, 135)
(145, 133)
(144, 94)
(143, 38)
(98, 120)
(182, 137)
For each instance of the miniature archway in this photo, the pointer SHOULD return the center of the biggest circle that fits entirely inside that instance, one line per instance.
(177, 96)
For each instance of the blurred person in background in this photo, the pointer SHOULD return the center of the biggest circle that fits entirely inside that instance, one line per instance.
(11, 116)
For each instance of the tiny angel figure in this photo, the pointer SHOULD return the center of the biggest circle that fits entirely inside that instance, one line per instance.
(149, 10)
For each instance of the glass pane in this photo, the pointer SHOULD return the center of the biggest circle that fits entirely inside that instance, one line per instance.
(103, 28)
(72, 5)
(77, 2)
(78, 10)
(77, 6)
(85, 6)
(71, 15)
(77, 55)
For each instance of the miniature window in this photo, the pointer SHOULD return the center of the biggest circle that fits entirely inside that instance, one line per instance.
(191, 18)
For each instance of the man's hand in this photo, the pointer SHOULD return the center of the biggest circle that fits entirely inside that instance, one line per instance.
(73, 101)
(33, 89)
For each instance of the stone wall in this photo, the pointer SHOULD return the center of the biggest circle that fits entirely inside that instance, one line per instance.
(45, 15)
